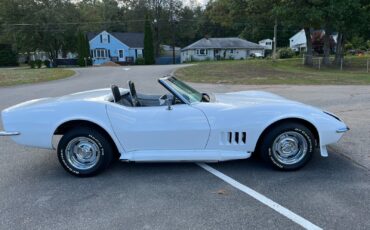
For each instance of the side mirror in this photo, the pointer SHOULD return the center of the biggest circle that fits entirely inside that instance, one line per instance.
(169, 101)
(206, 97)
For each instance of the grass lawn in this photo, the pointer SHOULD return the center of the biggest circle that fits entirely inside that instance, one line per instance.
(16, 76)
(287, 71)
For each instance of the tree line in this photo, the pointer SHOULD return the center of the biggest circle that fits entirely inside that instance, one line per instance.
(254, 19)
(56, 25)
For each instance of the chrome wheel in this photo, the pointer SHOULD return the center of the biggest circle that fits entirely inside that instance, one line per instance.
(290, 147)
(82, 153)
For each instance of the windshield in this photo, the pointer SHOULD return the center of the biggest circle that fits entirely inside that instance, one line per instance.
(184, 90)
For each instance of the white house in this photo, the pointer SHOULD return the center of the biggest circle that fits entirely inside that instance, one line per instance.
(298, 41)
(220, 48)
(267, 43)
(42, 55)
(166, 50)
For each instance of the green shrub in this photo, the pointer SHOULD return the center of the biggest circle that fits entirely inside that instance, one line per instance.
(47, 63)
(38, 63)
(7, 56)
(81, 61)
(140, 61)
(348, 46)
(32, 64)
(285, 53)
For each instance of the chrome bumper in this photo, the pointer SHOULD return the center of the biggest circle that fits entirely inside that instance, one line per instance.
(342, 130)
(6, 134)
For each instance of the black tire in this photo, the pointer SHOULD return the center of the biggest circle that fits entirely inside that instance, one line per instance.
(98, 143)
(276, 158)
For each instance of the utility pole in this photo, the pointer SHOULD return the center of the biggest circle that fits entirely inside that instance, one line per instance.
(275, 39)
(173, 33)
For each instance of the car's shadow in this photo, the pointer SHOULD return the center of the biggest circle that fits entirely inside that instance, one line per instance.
(323, 185)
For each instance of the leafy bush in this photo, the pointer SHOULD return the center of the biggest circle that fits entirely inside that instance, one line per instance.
(285, 53)
(348, 46)
(47, 63)
(81, 62)
(32, 64)
(140, 61)
(7, 56)
(38, 63)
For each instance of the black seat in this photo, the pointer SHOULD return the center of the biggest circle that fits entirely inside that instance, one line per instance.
(118, 98)
(116, 93)
(134, 99)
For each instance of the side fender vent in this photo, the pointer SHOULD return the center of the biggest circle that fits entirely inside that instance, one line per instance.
(234, 138)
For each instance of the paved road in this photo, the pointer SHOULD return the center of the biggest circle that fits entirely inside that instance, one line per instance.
(332, 193)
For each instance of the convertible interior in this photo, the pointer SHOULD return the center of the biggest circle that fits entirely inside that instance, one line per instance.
(134, 99)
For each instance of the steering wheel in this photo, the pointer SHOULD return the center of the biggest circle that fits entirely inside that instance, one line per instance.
(133, 94)
(116, 93)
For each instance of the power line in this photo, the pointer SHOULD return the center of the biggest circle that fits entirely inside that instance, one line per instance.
(235, 24)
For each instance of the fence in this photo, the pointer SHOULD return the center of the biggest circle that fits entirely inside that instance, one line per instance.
(167, 60)
(66, 62)
(355, 63)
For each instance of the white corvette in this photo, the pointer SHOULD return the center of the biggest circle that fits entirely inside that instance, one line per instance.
(183, 125)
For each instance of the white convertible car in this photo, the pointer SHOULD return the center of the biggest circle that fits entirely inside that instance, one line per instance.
(184, 125)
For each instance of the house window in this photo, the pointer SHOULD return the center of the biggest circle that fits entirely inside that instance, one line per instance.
(139, 53)
(202, 52)
(105, 38)
(231, 51)
(101, 53)
(120, 53)
(108, 38)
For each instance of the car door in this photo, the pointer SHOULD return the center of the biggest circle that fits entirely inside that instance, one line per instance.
(157, 128)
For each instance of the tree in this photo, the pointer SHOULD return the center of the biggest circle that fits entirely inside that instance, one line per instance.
(304, 14)
(83, 50)
(148, 43)
(350, 19)
(7, 56)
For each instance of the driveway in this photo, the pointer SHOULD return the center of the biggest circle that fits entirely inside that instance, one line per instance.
(330, 193)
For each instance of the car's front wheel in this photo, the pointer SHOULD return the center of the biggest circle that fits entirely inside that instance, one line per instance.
(288, 146)
(84, 152)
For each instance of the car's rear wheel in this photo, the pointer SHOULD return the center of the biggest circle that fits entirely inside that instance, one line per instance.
(84, 152)
(288, 146)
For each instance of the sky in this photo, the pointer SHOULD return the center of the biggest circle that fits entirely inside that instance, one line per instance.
(200, 2)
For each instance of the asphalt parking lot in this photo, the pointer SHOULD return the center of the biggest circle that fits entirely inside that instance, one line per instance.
(329, 193)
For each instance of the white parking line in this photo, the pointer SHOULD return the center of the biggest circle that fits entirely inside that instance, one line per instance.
(261, 198)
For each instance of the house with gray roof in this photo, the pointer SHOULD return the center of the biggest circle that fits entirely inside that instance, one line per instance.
(220, 49)
(116, 47)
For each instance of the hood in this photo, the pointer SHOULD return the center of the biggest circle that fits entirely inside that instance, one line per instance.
(251, 98)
